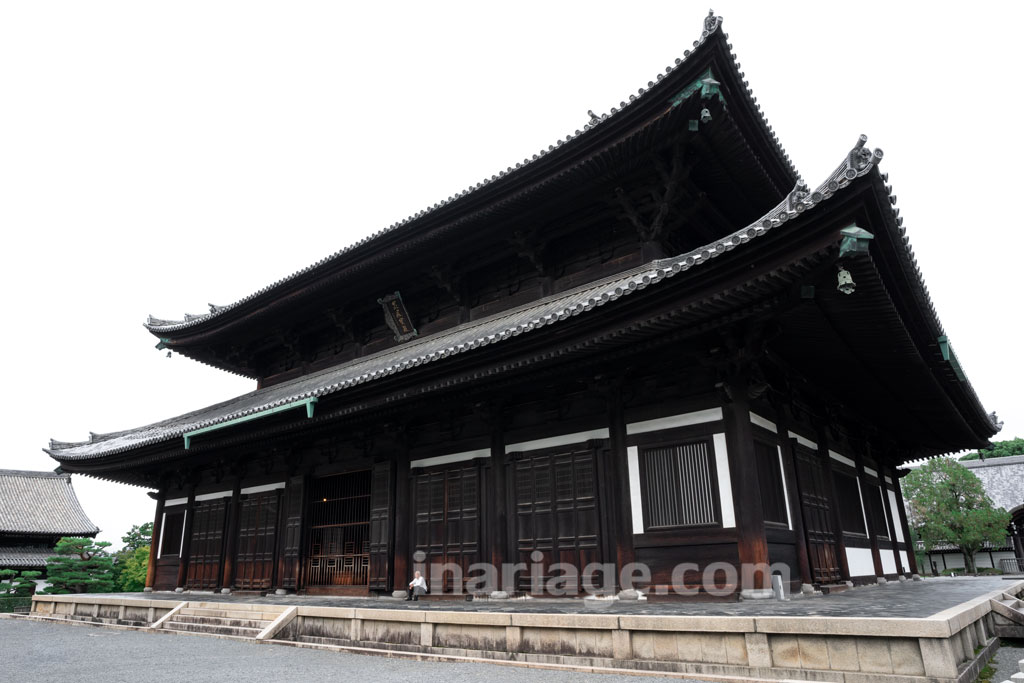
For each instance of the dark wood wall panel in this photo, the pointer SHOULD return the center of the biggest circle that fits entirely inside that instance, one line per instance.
(447, 518)
(817, 513)
(556, 510)
(206, 549)
(257, 540)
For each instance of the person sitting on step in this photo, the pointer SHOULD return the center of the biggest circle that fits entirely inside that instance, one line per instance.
(417, 587)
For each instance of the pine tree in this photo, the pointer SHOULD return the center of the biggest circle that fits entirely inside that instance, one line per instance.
(80, 565)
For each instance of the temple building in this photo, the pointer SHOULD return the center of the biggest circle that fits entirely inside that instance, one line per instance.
(37, 509)
(650, 342)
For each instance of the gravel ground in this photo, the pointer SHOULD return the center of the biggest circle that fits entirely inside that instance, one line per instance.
(1008, 655)
(42, 653)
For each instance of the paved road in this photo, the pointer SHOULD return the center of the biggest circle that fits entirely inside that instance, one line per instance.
(42, 653)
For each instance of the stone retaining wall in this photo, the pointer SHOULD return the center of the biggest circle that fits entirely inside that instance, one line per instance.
(948, 647)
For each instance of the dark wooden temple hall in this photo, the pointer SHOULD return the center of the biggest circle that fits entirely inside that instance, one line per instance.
(651, 342)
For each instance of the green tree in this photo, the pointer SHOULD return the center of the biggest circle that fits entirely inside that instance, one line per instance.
(999, 449)
(138, 537)
(18, 584)
(948, 504)
(132, 578)
(80, 565)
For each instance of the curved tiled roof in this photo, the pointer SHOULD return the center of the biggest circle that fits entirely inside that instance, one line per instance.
(472, 335)
(24, 555)
(41, 503)
(712, 25)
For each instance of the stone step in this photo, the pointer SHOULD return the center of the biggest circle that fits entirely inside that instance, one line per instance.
(210, 629)
(223, 621)
(105, 620)
(229, 613)
(236, 606)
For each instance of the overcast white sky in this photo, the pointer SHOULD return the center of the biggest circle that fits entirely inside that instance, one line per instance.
(155, 157)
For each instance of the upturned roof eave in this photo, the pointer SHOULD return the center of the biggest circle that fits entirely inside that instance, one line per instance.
(712, 46)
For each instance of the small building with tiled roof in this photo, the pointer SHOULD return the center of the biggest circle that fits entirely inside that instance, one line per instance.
(36, 510)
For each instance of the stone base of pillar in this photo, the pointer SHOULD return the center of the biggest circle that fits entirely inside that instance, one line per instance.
(147, 589)
(757, 594)
(881, 580)
(806, 589)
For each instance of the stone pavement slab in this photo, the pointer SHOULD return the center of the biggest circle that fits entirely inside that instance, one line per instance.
(912, 599)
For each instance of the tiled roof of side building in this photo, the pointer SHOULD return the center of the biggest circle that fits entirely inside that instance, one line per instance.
(41, 503)
(24, 555)
(712, 25)
(469, 336)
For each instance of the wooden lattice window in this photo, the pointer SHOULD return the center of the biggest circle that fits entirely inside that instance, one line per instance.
(678, 485)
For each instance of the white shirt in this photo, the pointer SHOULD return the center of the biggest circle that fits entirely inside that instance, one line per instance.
(420, 582)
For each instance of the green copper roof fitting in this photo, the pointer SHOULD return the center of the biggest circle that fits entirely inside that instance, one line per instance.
(307, 402)
(162, 344)
(855, 241)
(706, 85)
(949, 356)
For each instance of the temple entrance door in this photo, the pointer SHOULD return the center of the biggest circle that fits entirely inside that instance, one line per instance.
(818, 527)
(557, 513)
(207, 544)
(339, 531)
(257, 540)
(447, 527)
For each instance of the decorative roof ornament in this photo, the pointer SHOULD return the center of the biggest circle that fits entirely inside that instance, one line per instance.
(594, 118)
(795, 202)
(711, 22)
(996, 422)
(861, 157)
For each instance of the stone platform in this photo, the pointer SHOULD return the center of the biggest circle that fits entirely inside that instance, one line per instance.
(934, 631)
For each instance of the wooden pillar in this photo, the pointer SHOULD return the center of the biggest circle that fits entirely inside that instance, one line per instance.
(739, 435)
(154, 545)
(865, 491)
(186, 537)
(231, 536)
(403, 520)
(830, 487)
(911, 550)
(498, 495)
(618, 469)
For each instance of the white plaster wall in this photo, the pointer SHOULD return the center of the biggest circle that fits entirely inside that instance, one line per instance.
(888, 561)
(894, 511)
(860, 562)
